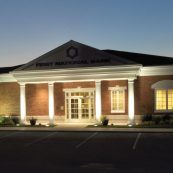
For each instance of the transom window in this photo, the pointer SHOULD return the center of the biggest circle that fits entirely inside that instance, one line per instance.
(117, 99)
(164, 99)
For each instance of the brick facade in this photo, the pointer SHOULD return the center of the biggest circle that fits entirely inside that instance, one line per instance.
(144, 94)
(9, 98)
(36, 99)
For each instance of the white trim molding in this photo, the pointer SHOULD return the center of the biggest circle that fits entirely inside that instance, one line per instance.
(117, 87)
(79, 89)
(6, 77)
(156, 70)
(78, 74)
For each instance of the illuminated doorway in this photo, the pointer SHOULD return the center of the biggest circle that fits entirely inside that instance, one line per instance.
(79, 106)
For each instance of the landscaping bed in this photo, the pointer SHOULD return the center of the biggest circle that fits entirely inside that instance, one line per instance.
(134, 126)
(14, 121)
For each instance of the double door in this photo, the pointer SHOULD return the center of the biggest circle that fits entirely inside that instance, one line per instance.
(80, 106)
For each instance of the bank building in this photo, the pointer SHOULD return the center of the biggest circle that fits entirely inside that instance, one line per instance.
(76, 83)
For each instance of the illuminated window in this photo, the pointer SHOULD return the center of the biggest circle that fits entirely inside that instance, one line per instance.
(117, 99)
(163, 95)
(164, 99)
(170, 99)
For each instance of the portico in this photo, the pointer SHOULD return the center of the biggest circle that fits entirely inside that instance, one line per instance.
(75, 81)
(90, 98)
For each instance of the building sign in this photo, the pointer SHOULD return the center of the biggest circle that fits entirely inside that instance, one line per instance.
(75, 62)
(72, 52)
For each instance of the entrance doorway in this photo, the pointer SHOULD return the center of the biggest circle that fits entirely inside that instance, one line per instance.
(79, 106)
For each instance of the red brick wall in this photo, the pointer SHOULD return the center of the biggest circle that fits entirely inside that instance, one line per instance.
(106, 96)
(59, 94)
(36, 99)
(144, 95)
(59, 99)
(37, 96)
(9, 98)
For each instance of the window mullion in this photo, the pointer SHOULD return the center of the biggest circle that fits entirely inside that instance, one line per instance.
(166, 99)
(118, 98)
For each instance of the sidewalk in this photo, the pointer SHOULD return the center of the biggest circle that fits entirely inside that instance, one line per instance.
(88, 129)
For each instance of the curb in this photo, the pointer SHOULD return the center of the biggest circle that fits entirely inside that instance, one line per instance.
(84, 129)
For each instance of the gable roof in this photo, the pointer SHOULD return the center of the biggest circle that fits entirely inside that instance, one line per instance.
(82, 53)
(8, 69)
(144, 59)
(73, 55)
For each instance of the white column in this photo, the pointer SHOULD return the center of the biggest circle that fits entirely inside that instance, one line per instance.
(51, 103)
(131, 106)
(98, 100)
(22, 104)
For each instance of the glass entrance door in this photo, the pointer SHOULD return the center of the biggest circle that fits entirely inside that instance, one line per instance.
(85, 108)
(74, 108)
(80, 106)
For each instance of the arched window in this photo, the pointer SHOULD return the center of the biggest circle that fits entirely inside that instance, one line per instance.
(163, 95)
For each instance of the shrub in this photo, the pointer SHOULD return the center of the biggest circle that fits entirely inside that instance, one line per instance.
(157, 119)
(1, 118)
(7, 121)
(147, 117)
(15, 119)
(166, 118)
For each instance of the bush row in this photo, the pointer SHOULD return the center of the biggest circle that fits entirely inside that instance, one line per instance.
(157, 119)
(9, 120)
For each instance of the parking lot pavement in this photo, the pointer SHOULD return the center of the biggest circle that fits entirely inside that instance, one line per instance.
(101, 152)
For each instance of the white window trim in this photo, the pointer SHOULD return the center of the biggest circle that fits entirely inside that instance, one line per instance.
(117, 88)
(79, 89)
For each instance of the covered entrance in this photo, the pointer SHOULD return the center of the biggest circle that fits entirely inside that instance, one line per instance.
(79, 105)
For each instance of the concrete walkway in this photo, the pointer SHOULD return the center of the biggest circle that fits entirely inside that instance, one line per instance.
(80, 128)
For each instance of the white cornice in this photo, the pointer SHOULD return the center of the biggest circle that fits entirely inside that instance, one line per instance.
(156, 70)
(78, 74)
(6, 77)
(85, 74)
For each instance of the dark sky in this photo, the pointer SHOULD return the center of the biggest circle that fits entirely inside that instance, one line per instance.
(30, 28)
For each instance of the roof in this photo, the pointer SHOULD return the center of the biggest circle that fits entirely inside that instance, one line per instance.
(80, 52)
(8, 69)
(144, 59)
(74, 55)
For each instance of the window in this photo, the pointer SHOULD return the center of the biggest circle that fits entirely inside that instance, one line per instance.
(164, 99)
(163, 95)
(117, 99)
(170, 99)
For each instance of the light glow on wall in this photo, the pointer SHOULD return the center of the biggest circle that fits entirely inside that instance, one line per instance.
(51, 103)
(98, 100)
(22, 103)
(131, 101)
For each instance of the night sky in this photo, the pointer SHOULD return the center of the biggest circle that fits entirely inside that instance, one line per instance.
(30, 28)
